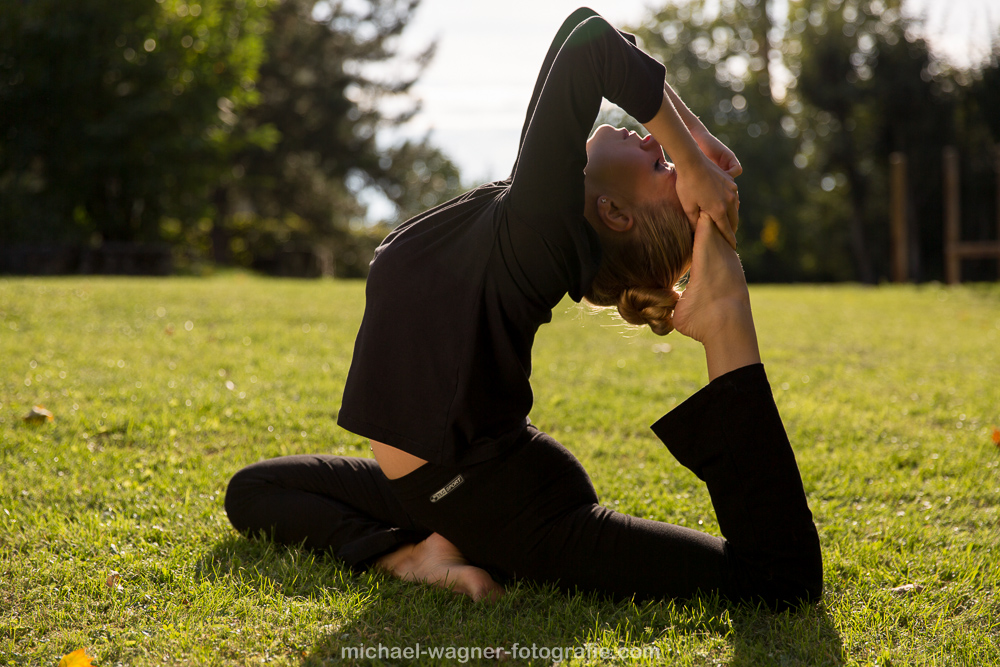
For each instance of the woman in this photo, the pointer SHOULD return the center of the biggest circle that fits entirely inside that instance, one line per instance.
(463, 487)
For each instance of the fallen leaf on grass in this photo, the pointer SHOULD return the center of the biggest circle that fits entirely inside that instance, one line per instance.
(38, 415)
(906, 589)
(77, 658)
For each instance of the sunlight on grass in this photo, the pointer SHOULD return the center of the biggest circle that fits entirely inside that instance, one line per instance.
(161, 389)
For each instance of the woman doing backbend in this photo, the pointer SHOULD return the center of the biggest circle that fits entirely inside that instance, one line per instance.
(463, 489)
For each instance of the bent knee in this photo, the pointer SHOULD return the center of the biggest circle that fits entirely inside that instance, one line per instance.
(242, 490)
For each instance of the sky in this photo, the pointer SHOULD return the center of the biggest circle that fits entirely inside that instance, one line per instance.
(475, 92)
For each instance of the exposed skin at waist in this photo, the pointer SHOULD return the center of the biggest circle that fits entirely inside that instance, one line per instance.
(395, 463)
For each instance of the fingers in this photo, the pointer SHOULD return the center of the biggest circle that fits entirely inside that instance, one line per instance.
(727, 216)
(727, 231)
(709, 227)
(706, 222)
(726, 219)
(709, 189)
(702, 231)
(693, 215)
(733, 205)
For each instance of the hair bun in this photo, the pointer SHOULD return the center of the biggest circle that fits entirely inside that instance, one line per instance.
(649, 305)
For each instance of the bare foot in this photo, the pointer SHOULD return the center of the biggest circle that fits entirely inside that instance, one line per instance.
(439, 562)
(715, 307)
(716, 292)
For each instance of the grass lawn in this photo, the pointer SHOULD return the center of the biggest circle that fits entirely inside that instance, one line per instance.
(161, 389)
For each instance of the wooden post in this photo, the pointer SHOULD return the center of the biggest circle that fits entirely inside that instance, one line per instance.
(897, 217)
(996, 168)
(952, 217)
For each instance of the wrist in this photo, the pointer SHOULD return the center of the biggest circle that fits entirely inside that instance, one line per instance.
(687, 153)
(698, 129)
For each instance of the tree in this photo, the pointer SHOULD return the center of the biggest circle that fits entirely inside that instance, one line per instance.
(872, 87)
(319, 94)
(116, 114)
(813, 104)
(719, 57)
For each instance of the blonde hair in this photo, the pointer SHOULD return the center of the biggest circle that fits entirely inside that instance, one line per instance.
(639, 270)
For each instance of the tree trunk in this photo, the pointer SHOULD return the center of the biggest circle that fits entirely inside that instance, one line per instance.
(220, 235)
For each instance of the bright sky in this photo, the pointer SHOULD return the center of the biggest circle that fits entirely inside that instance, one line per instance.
(476, 90)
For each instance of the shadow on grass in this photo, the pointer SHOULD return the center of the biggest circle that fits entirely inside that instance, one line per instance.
(803, 637)
(265, 568)
(364, 613)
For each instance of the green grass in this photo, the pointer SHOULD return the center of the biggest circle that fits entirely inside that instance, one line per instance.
(163, 388)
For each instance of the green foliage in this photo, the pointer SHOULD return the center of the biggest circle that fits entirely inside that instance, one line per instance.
(163, 389)
(232, 128)
(238, 128)
(318, 92)
(117, 113)
(813, 104)
(872, 88)
(718, 57)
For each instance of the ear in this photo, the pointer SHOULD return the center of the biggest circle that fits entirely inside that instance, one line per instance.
(615, 218)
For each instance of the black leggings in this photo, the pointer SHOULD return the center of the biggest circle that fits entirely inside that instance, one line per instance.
(532, 512)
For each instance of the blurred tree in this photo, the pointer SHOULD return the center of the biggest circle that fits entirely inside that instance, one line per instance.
(871, 87)
(331, 70)
(116, 113)
(720, 57)
(813, 103)
(978, 127)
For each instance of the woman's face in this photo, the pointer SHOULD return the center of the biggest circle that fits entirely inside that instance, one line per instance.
(622, 163)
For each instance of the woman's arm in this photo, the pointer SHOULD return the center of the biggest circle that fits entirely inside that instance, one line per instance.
(701, 184)
(567, 27)
(565, 30)
(714, 149)
(595, 61)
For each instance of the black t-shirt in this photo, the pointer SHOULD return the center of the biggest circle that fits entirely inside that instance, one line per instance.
(455, 295)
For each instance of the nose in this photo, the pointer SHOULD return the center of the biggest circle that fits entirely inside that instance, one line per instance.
(651, 144)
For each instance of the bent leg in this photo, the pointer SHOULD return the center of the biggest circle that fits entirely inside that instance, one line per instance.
(533, 513)
(336, 503)
(731, 436)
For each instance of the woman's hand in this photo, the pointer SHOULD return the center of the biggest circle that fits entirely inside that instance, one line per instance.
(705, 167)
(717, 152)
(703, 187)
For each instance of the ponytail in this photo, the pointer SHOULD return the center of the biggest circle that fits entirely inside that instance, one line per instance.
(639, 272)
